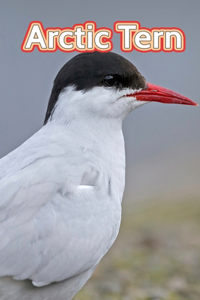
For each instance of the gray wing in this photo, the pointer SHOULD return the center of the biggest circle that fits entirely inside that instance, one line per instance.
(51, 226)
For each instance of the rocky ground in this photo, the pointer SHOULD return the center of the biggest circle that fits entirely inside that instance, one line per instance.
(156, 255)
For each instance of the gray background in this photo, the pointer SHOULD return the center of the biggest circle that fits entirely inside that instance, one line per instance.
(162, 141)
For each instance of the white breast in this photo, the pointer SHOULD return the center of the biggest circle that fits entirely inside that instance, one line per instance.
(64, 186)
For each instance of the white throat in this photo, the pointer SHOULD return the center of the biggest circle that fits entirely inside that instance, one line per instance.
(95, 107)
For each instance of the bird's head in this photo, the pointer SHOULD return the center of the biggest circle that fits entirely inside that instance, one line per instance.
(105, 85)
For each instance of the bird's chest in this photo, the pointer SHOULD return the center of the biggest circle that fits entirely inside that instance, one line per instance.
(113, 177)
(112, 166)
(109, 186)
(103, 187)
(97, 193)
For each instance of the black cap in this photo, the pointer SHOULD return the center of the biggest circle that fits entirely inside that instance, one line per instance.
(88, 70)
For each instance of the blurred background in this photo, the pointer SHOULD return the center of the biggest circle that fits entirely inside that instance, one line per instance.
(157, 253)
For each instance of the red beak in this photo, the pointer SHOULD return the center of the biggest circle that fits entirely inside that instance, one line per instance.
(160, 94)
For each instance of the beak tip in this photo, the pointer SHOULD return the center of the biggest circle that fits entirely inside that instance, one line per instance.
(194, 103)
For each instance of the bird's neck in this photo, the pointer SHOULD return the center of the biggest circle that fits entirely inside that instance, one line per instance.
(84, 123)
(99, 130)
(102, 144)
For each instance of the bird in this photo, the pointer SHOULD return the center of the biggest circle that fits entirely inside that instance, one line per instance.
(61, 191)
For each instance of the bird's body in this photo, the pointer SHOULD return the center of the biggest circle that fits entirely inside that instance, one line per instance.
(75, 187)
(61, 192)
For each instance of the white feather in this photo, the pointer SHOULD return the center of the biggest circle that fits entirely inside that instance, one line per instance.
(60, 199)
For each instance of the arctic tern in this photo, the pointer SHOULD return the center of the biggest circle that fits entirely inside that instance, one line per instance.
(61, 190)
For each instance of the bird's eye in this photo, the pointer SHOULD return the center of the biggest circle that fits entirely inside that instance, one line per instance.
(110, 80)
